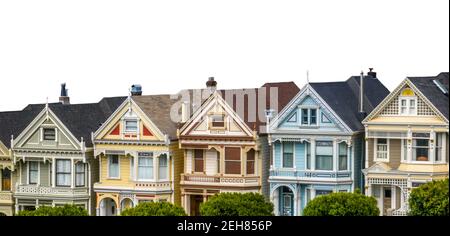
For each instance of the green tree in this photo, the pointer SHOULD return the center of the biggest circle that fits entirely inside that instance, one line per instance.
(236, 204)
(430, 199)
(154, 209)
(66, 210)
(342, 204)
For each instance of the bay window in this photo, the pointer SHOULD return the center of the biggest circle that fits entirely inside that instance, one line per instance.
(63, 173)
(343, 156)
(421, 149)
(33, 172)
(324, 155)
(145, 167)
(288, 155)
(113, 166)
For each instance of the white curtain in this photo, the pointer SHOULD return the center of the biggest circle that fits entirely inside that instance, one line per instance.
(114, 166)
(324, 156)
(163, 167)
(63, 172)
(145, 168)
(79, 174)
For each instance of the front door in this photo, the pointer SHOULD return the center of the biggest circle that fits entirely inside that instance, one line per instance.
(195, 204)
(387, 199)
(287, 202)
(6, 180)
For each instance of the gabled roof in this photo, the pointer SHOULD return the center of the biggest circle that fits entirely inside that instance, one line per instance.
(343, 98)
(80, 119)
(286, 91)
(432, 92)
(158, 108)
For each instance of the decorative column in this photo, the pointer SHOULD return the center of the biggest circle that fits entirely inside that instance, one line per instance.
(53, 172)
(275, 202)
(313, 154)
(297, 201)
(156, 167)
(135, 160)
(433, 145)
(409, 143)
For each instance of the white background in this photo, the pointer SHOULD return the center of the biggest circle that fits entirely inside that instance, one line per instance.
(100, 48)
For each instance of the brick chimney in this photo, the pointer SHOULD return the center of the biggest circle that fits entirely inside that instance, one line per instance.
(211, 85)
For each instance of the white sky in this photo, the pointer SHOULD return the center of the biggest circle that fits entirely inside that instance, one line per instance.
(100, 48)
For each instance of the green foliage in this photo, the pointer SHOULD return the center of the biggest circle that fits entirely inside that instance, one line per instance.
(236, 204)
(342, 204)
(66, 210)
(430, 199)
(154, 209)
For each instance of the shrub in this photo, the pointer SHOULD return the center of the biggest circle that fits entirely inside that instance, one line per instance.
(430, 199)
(154, 209)
(66, 210)
(342, 204)
(236, 204)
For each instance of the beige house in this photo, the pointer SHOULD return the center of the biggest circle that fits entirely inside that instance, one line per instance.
(407, 141)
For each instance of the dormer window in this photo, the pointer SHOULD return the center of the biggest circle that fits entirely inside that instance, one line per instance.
(131, 126)
(49, 134)
(309, 116)
(217, 121)
(408, 102)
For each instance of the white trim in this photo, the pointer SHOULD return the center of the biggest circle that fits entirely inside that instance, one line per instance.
(375, 151)
(408, 100)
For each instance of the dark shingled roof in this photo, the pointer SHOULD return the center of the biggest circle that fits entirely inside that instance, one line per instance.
(80, 119)
(343, 98)
(157, 108)
(430, 90)
(286, 91)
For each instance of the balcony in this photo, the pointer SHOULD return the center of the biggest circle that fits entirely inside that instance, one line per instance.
(6, 197)
(140, 186)
(310, 175)
(229, 181)
(35, 190)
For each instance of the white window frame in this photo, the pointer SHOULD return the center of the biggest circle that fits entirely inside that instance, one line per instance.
(375, 150)
(48, 128)
(408, 105)
(84, 174)
(430, 153)
(38, 174)
(347, 153)
(56, 173)
(282, 157)
(309, 108)
(167, 168)
(108, 164)
(334, 167)
(153, 170)
(126, 131)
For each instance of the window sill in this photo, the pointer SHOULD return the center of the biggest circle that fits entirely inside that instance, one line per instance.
(113, 178)
(381, 160)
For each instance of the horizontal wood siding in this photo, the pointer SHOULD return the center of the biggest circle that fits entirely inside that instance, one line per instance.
(394, 153)
(299, 157)
(189, 161)
(44, 174)
(211, 162)
(277, 157)
(371, 156)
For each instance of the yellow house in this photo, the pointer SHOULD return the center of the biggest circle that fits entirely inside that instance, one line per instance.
(138, 155)
(407, 141)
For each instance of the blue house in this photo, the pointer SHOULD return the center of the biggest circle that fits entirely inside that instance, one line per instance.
(317, 141)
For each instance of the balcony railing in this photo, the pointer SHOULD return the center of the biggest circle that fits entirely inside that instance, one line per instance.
(6, 197)
(46, 190)
(220, 180)
(309, 174)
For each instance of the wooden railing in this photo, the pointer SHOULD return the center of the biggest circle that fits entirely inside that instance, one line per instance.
(6, 196)
(46, 190)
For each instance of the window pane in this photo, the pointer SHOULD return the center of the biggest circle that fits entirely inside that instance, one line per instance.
(251, 162)
(232, 160)
(313, 117)
(343, 149)
(308, 155)
(304, 116)
(130, 126)
(63, 172)
(113, 166)
(324, 155)
(163, 167)
(323, 192)
(288, 155)
(198, 160)
(145, 168)
(420, 149)
(49, 134)
(218, 120)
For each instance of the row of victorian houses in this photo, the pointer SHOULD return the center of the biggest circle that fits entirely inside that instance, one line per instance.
(289, 144)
